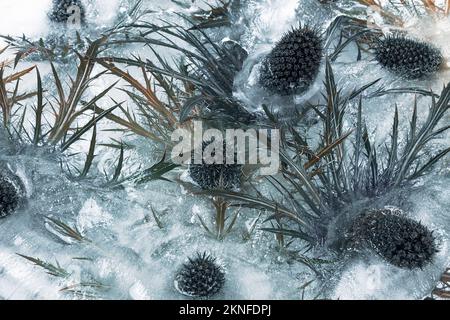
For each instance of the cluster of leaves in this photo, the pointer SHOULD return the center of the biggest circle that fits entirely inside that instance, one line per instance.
(62, 119)
(56, 121)
(315, 186)
(206, 73)
(91, 288)
(315, 183)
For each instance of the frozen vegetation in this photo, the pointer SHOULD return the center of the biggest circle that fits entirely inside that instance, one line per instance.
(129, 240)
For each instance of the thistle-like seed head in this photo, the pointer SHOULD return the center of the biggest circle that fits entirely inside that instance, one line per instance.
(408, 57)
(293, 64)
(400, 240)
(201, 276)
(10, 196)
(216, 176)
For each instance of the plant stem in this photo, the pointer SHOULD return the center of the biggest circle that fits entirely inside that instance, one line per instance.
(221, 208)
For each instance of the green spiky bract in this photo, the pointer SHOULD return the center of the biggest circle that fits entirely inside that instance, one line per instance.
(9, 196)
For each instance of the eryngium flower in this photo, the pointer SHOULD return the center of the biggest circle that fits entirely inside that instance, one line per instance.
(9, 196)
(200, 277)
(61, 13)
(407, 57)
(400, 240)
(216, 176)
(293, 64)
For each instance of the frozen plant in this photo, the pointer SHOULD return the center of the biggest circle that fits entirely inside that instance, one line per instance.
(12, 192)
(408, 57)
(325, 201)
(293, 64)
(201, 276)
(400, 240)
(211, 176)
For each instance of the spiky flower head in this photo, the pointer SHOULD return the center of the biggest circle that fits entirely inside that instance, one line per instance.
(293, 64)
(409, 58)
(10, 195)
(64, 9)
(400, 240)
(201, 276)
(216, 175)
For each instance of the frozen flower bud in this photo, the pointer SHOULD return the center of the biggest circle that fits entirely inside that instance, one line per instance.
(407, 57)
(201, 276)
(400, 240)
(216, 176)
(293, 64)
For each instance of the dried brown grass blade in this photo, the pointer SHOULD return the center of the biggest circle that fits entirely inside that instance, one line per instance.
(146, 91)
(326, 150)
(18, 75)
(130, 125)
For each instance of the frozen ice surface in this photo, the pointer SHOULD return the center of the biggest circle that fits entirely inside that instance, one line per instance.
(130, 255)
(24, 17)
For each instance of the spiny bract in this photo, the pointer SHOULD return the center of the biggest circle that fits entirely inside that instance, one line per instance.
(292, 66)
(216, 176)
(61, 13)
(407, 57)
(9, 196)
(400, 240)
(200, 277)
